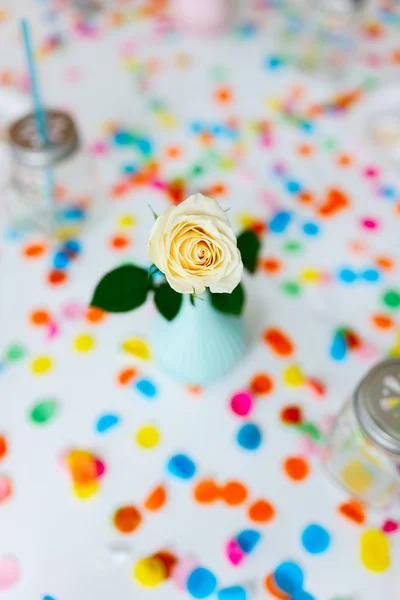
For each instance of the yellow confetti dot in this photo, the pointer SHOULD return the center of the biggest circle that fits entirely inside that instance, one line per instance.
(274, 103)
(41, 364)
(84, 491)
(67, 232)
(150, 571)
(375, 550)
(166, 120)
(148, 436)
(126, 221)
(357, 477)
(137, 347)
(245, 220)
(309, 276)
(84, 343)
(293, 376)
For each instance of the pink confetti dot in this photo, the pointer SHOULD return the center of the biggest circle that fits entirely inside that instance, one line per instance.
(242, 403)
(181, 572)
(234, 553)
(371, 172)
(390, 526)
(5, 489)
(100, 467)
(98, 148)
(370, 223)
(72, 310)
(9, 572)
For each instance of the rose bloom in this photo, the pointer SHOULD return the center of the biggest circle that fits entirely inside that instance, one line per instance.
(194, 246)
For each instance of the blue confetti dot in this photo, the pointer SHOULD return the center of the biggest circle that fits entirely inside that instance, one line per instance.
(289, 577)
(311, 229)
(2, 366)
(339, 347)
(144, 146)
(279, 222)
(74, 213)
(315, 539)
(236, 592)
(201, 583)
(48, 598)
(146, 387)
(249, 436)
(387, 192)
(347, 275)
(60, 260)
(123, 138)
(106, 422)
(72, 247)
(370, 275)
(293, 187)
(217, 129)
(181, 466)
(248, 540)
(273, 62)
(302, 595)
(196, 127)
(247, 30)
(129, 169)
(307, 126)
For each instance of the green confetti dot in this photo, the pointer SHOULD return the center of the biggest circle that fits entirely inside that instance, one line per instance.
(197, 170)
(291, 288)
(15, 352)
(292, 246)
(44, 411)
(311, 430)
(330, 144)
(218, 73)
(391, 298)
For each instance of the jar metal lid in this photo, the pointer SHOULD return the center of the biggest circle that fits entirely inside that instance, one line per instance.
(376, 403)
(27, 147)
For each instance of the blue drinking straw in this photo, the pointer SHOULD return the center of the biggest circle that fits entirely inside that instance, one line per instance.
(38, 110)
(37, 102)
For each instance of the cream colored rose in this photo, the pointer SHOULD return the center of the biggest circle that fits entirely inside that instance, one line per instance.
(194, 246)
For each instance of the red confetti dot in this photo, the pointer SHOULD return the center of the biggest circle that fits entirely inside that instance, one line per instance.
(56, 277)
(353, 510)
(291, 415)
(119, 242)
(261, 384)
(3, 447)
(278, 341)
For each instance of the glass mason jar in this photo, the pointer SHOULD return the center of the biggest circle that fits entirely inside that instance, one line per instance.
(53, 187)
(320, 35)
(363, 447)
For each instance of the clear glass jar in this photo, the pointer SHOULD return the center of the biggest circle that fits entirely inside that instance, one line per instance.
(53, 188)
(363, 449)
(320, 35)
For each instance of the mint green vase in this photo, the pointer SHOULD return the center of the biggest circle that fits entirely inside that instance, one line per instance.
(200, 345)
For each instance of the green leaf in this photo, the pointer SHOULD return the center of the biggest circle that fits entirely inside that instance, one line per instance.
(122, 289)
(168, 301)
(249, 245)
(231, 304)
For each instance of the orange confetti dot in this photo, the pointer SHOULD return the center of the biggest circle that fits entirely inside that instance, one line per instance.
(156, 499)
(384, 262)
(382, 321)
(304, 149)
(273, 589)
(205, 138)
(278, 341)
(34, 250)
(296, 468)
(336, 200)
(39, 317)
(344, 160)
(261, 384)
(353, 510)
(3, 447)
(126, 375)
(218, 189)
(194, 389)
(56, 277)
(223, 95)
(119, 242)
(271, 265)
(206, 491)
(395, 57)
(126, 519)
(233, 493)
(305, 197)
(94, 314)
(261, 511)
(173, 151)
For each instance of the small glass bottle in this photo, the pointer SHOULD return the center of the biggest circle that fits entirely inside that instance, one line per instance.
(363, 448)
(322, 35)
(53, 187)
